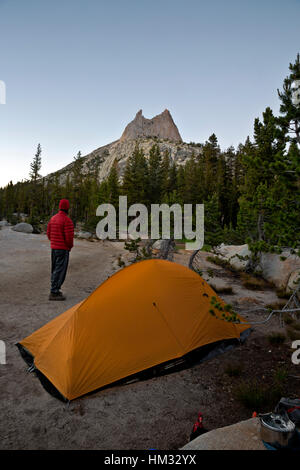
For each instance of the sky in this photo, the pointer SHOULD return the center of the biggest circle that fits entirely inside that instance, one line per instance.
(77, 71)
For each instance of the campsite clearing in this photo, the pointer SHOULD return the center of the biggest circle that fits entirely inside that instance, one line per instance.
(157, 413)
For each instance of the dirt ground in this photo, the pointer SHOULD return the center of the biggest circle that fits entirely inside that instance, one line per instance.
(155, 413)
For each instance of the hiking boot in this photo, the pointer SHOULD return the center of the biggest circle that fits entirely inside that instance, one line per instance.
(58, 296)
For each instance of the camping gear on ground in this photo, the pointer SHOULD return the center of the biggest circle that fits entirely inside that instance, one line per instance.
(278, 431)
(198, 428)
(146, 314)
(292, 407)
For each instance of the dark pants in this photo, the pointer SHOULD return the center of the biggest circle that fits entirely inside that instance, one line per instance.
(59, 265)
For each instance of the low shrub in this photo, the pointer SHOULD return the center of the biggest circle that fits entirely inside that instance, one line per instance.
(280, 376)
(258, 397)
(282, 294)
(288, 320)
(234, 370)
(276, 306)
(276, 338)
(222, 289)
(219, 261)
(254, 282)
(292, 334)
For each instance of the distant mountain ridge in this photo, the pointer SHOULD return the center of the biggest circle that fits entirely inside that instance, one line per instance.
(161, 126)
(160, 130)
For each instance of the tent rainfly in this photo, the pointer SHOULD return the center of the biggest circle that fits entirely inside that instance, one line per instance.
(146, 314)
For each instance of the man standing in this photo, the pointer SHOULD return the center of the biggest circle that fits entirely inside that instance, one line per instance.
(60, 231)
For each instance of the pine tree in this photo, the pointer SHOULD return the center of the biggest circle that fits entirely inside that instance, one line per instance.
(36, 190)
(270, 198)
(290, 121)
(113, 187)
(155, 175)
(213, 233)
(136, 178)
(180, 185)
(36, 165)
(211, 152)
(165, 171)
(55, 193)
(173, 177)
(91, 190)
(191, 181)
(77, 193)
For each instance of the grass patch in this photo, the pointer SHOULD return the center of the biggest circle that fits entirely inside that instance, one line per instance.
(282, 294)
(206, 248)
(234, 370)
(257, 397)
(219, 261)
(222, 290)
(276, 338)
(254, 282)
(225, 290)
(288, 320)
(292, 334)
(276, 306)
(280, 376)
(179, 246)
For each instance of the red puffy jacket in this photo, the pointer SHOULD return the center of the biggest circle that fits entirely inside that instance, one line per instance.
(60, 231)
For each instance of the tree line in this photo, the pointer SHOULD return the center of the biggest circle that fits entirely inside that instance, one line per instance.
(251, 194)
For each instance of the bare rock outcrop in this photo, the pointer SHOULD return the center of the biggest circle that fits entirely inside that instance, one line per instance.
(160, 130)
(278, 268)
(282, 270)
(161, 126)
(237, 255)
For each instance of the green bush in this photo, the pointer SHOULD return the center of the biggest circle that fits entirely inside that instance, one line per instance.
(288, 320)
(219, 261)
(234, 370)
(224, 290)
(276, 338)
(293, 334)
(282, 294)
(257, 397)
(254, 282)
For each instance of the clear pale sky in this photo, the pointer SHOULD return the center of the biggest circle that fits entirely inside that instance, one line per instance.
(77, 71)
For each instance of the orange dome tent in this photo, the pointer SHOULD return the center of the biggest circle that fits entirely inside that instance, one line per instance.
(146, 314)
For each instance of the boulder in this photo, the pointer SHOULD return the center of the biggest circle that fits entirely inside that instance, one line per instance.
(278, 268)
(237, 255)
(3, 223)
(294, 281)
(85, 235)
(244, 435)
(23, 227)
(160, 244)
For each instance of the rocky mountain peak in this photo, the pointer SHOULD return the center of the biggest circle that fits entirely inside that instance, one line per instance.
(161, 126)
